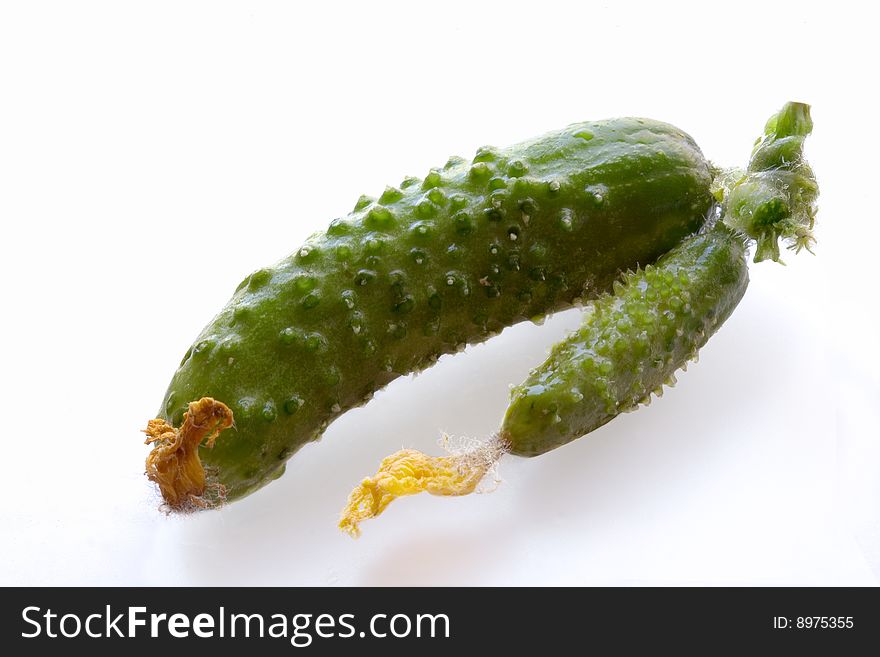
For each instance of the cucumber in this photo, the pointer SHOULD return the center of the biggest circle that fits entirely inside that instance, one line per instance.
(425, 269)
(633, 340)
(630, 345)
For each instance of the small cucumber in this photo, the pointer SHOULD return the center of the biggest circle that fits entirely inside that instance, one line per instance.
(631, 343)
(428, 267)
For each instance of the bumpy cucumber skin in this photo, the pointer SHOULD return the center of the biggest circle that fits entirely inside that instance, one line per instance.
(430, 267)
(631, 344)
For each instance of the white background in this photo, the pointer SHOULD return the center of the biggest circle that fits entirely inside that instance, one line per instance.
(152, 154)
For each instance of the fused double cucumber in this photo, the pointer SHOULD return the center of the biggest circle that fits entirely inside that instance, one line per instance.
(428, 267)
(451, 259)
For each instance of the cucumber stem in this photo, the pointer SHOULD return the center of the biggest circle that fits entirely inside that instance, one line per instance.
(174, 463)
(776, 197)
(793, 119)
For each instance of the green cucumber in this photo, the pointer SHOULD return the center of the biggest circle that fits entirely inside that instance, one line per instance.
(631, 344)
(428, 267)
